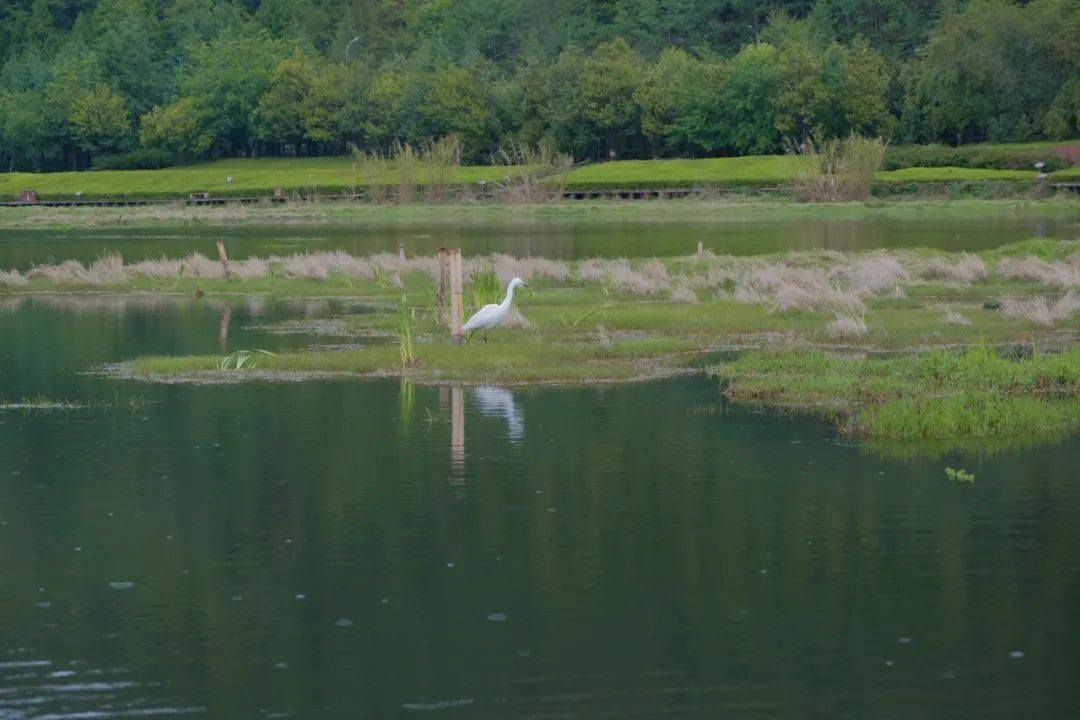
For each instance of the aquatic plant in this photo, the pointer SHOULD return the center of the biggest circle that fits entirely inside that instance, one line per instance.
(241, 359)
(487, 288)
(960, 475)
(406, 343)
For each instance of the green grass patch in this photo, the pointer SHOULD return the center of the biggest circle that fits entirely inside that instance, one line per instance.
(335, 175)
(936, 394)
(528, 361)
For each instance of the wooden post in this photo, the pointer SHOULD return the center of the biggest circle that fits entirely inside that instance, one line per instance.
(440, 285)
(401, 251)
(455, 295)
(700, 251)
(224, 258)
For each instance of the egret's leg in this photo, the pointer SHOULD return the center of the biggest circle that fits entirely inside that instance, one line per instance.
(469, 339)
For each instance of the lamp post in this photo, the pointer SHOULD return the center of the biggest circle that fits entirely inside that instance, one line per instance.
(349, 47)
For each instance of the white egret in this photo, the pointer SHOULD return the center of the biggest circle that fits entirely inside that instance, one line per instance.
(489, 316)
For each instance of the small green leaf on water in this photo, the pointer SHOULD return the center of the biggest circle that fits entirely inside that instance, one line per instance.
(960, 475)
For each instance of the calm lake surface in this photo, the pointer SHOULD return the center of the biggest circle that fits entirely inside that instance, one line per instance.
(377, 549)
(23, 248)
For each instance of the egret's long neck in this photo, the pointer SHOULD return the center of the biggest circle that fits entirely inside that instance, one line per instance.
(509, 296)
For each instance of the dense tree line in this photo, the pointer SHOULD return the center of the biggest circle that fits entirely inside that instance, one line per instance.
(150, 82)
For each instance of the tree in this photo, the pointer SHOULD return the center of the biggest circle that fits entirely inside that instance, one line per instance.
(322, 109)
(99, 120)
(993, 69)
(181, 129)
(456, 103)
(749, 120)
(609, 79)
(226, 77)
(278, 114)
(680, 102)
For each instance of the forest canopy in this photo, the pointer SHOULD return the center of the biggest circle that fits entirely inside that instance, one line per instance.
(148, 83)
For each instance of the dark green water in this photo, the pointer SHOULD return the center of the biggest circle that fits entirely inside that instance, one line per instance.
(23, 248)
(368, 549)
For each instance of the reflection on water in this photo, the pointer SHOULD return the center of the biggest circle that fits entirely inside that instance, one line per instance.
(296, 550)
(24, 248)
(499, 403)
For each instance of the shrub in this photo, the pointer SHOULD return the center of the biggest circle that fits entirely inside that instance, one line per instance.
(141, 159)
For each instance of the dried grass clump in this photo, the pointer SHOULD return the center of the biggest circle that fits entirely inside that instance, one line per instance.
(515, 320)
(715, 277)
(1038, 270)
(878, 274)
(846, 325)
(508, 267)
(954, 318)
(592, 270)
(12, 278)
(966, 269)
(793, 288)
(105, 270)
(1039, 310)
(162, 267)
(683, 294)
(655, 270)
(323, 265)
(620, 275)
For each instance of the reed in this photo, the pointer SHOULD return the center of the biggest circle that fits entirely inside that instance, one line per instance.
(534, 174)
(439, 159)
(486, 287)
(406, 342)
(837, 170)
(371, 169)
(406, 160)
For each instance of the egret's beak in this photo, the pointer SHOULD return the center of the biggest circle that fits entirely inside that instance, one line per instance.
(525, 284)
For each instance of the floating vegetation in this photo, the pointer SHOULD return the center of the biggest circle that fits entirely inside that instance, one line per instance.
(960, 475)
(40, 402)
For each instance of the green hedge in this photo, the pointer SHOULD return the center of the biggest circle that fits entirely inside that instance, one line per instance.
(1019, 156)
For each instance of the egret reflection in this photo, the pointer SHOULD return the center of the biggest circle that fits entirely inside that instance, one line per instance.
(499, 403)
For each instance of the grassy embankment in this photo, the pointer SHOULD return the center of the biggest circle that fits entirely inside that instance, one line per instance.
(872, 339)
(313, 176)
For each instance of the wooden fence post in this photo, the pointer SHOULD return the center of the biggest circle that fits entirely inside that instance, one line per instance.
(401, 251)
(700, 250)
(440, 285)
(455, 295)
(224, 258)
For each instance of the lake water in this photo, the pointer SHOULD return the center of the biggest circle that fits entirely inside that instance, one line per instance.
(23, 248)
(379, 549)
